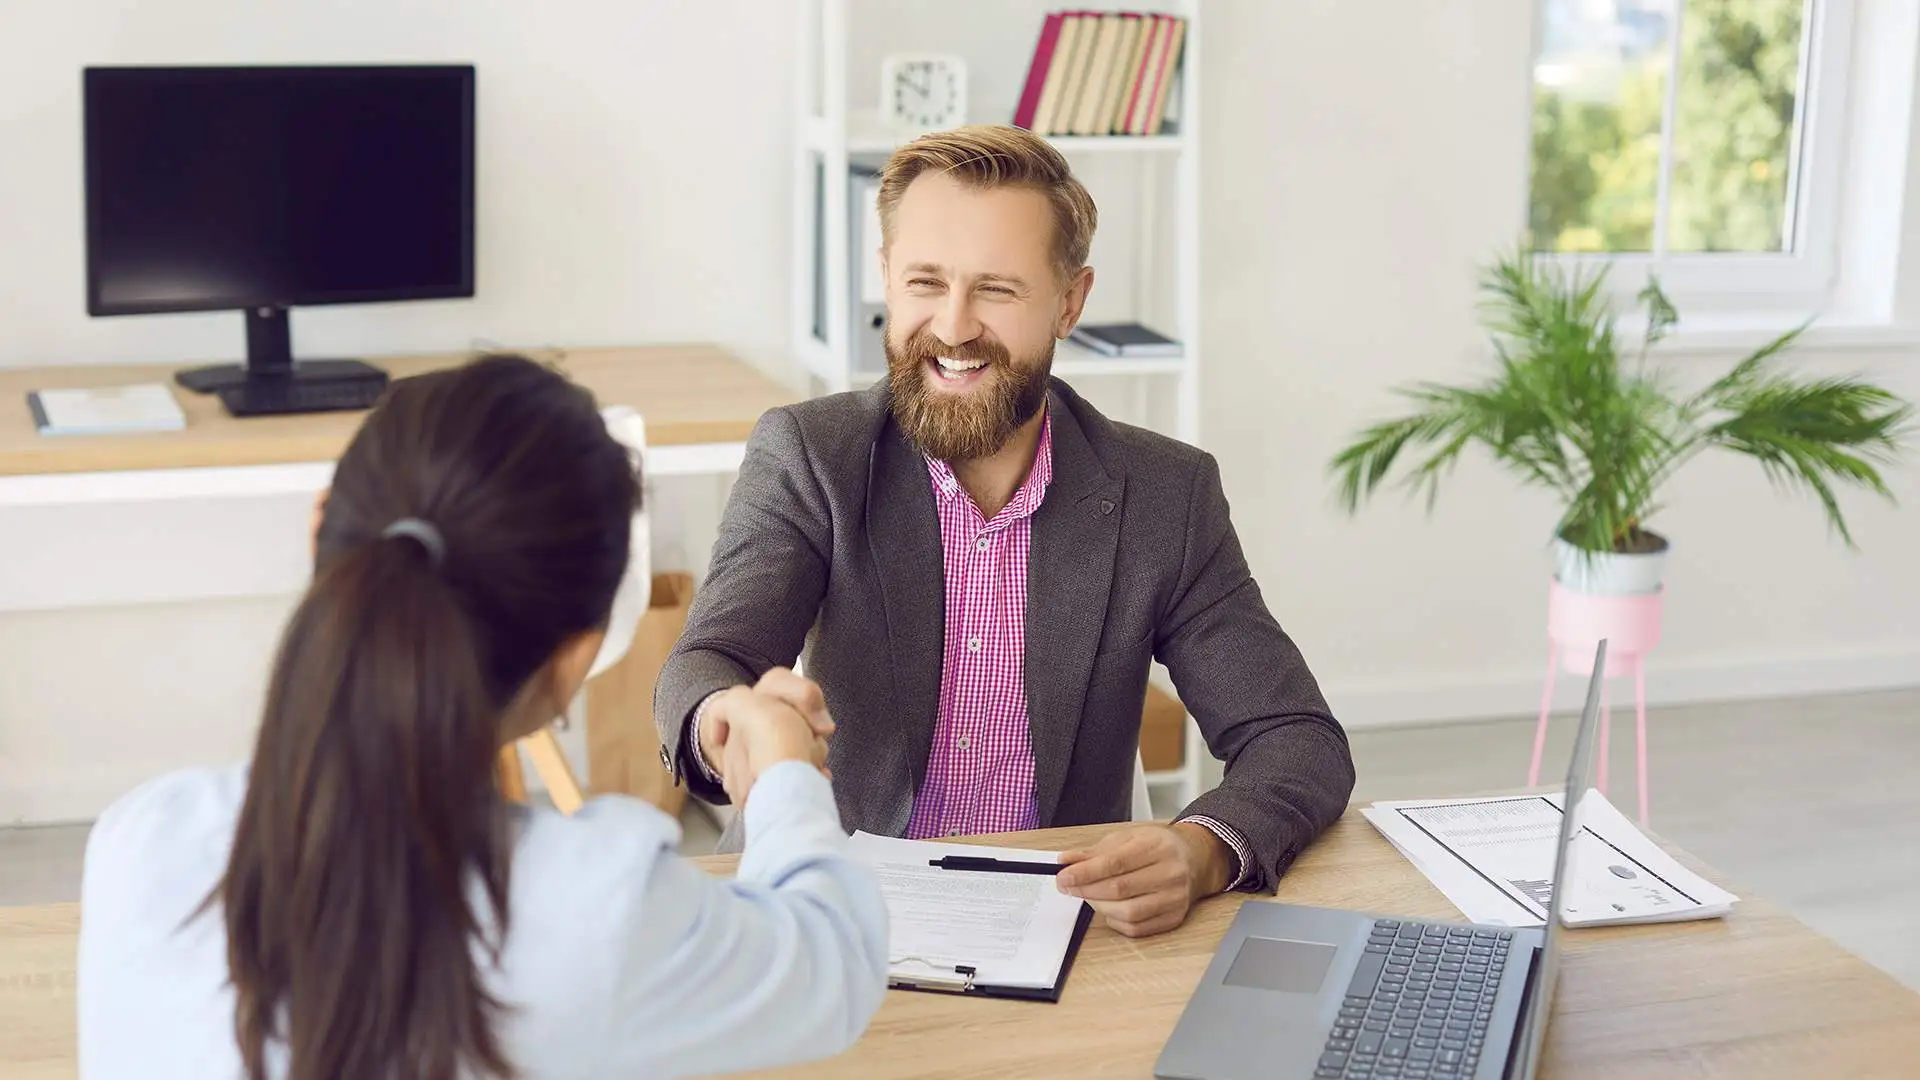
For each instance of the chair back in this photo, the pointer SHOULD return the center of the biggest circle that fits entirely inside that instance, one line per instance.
(636, 586)
(1142, 802)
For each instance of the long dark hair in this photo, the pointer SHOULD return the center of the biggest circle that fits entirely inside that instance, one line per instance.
(373, 826)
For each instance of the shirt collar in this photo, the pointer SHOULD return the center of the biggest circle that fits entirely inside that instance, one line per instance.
(1032, 490)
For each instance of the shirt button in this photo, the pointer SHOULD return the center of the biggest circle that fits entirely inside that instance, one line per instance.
(981, 544)
(962, 742)
(953, 832)
(973, 644)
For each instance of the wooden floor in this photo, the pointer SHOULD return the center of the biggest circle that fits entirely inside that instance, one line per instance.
(1813, 803)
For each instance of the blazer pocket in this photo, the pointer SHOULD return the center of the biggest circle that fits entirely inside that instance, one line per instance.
(1118, 675)
(1142, 644)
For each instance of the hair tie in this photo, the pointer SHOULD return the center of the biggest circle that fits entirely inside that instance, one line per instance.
(423, 531)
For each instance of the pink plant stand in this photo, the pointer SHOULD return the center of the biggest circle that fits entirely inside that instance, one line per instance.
(1575, 624)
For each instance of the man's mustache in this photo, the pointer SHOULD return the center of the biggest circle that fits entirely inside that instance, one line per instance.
(923, 347)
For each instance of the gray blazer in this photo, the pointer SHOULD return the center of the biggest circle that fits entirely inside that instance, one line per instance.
(830, 542)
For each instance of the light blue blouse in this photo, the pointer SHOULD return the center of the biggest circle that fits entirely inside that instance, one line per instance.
(624, 959)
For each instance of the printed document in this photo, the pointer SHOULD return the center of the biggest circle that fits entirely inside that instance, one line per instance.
(1494, 858)
(1013, 929)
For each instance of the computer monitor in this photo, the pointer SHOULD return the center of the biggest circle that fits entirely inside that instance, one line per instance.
(261, 189)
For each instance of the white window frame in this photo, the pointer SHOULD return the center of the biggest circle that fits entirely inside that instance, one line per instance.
(1801, 279)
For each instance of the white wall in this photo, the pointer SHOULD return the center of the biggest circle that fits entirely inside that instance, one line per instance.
(1357, 170)
(634, 172)
(631, 169)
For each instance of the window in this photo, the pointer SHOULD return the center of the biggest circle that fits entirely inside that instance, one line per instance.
(1693, 139)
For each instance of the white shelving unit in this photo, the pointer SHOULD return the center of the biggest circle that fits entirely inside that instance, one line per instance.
(833, 132)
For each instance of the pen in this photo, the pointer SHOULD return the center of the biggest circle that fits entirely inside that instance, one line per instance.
(976, 862)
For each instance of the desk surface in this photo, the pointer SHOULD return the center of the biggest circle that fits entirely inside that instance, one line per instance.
(1754, 996)
(688, 394)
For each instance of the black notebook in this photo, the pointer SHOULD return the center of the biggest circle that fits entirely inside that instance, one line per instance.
(1124, 339)
(973, 926)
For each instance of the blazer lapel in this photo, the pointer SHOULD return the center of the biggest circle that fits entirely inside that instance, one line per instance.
(1076, 532)
(903, 536)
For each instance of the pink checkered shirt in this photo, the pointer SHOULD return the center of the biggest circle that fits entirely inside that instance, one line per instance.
(979, 776)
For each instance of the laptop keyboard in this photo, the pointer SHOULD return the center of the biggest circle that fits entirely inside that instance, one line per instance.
(1419, 1003)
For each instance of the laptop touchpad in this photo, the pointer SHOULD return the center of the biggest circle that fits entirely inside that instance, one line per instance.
(1277, 964)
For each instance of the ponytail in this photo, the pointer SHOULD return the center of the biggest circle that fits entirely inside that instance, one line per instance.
(370, 813)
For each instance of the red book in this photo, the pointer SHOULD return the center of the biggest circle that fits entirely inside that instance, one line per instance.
(1156, 26)
(1155, 103)
(1037, 71)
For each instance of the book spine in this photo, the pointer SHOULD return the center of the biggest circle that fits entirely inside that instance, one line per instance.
(1037, 71)
(1136, 63)
(1124, 46)
(1169, 68)
(1094, 344)
(1100, 66)
(1054, 91)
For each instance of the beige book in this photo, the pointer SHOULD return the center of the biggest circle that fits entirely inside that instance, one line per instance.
(1053, 92)
(1124, 45)
(1093, 92)
(1171, 74)
(1143, 35)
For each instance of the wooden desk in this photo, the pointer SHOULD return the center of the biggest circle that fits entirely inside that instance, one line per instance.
(1754, 996)
(689, 394)
(219, 511)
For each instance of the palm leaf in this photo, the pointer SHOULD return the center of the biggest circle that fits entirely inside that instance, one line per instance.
(1810, 434)
(1559, 412)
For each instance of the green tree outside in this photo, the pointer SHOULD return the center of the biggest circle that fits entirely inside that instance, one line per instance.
(1596, 163)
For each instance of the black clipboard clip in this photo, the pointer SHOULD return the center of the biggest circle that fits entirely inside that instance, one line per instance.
(960, 982)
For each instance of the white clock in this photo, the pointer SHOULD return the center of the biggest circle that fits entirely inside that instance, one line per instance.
(923, 90)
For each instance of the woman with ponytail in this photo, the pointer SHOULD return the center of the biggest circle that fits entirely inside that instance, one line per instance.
(357, 901)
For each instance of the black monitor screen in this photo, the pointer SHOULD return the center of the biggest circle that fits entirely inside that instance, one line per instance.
(217, 188)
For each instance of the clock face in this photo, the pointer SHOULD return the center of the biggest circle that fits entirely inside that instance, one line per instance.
(926, 92)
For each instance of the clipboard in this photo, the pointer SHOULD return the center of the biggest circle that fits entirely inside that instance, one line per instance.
(959, 979)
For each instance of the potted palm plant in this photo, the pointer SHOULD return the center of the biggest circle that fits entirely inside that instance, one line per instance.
(1563, 412)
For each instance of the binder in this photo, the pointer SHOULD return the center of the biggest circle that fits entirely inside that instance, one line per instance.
(959, 979)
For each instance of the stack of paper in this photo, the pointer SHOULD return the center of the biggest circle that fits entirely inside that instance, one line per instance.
(105, 410)
(1494, 859)
(1015, 930)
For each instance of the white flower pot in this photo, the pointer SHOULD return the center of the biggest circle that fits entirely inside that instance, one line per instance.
(1605, 573)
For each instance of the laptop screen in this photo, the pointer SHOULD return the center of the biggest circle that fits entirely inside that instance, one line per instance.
(1535, 1010)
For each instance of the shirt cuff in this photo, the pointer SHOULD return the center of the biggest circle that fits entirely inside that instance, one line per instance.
(1239, 876)
(692, 740)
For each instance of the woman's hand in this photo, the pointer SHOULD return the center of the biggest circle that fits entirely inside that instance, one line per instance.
(768, 724)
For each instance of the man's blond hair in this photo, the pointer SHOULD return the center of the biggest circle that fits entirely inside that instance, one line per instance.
(998, 156)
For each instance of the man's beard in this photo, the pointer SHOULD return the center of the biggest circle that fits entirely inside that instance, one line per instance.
(971, 424)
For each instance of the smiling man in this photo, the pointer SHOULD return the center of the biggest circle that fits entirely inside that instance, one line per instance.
(982, 569)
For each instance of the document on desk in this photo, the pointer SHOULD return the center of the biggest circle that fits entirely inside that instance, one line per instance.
(1494, 858)
(1016, 930)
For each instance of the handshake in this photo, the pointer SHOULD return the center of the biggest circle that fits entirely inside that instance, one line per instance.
(745, 731)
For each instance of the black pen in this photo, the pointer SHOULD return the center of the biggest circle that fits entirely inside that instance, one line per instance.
(976, 862)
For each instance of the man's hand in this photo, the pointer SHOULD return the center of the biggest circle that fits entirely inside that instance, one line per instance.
(801, 694)
(763, 729)
(1143, 879)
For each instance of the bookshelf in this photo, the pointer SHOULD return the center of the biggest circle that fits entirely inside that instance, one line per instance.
(1146, 254)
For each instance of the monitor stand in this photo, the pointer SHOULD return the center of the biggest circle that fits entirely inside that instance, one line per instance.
(270, 357)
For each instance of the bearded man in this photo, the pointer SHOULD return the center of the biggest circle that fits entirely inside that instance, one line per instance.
(982, 569)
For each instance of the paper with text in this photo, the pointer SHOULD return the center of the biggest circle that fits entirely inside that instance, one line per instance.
(1013, 929)
(1494, 859)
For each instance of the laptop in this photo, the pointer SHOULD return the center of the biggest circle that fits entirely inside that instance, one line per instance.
(1303, 992)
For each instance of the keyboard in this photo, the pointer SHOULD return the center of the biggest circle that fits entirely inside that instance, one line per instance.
(269, 397)
(1418, 1004)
